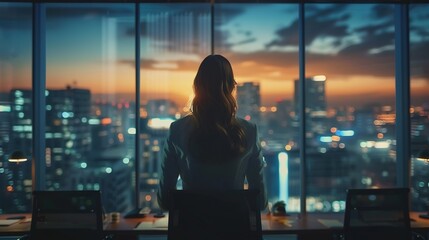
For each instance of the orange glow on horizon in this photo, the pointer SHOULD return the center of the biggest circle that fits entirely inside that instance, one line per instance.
(275, 83)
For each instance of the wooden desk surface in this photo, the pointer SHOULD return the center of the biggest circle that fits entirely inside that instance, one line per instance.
(293, 224)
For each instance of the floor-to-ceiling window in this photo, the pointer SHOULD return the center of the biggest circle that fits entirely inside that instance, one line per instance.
(419, 101)
(16, 113)
(174, 38)
(350, 101)
(261, 41)
(91, 95)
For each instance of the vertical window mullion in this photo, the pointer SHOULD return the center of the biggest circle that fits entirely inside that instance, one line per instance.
(301, 107)
(137, 109)
(39, 101)
(402, 76)
(212, 26)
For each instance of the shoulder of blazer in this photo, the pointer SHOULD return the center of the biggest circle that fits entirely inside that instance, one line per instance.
(180, 126)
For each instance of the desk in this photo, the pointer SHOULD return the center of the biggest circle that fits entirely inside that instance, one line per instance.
(309, 226)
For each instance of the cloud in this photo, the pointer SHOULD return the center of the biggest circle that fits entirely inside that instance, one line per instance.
(16, 17)
(380, 11)
(287, 36)
(373, 29)
(151, 64)
(422, 32)
(419, 11)
(369, 42)
(319, 23)
(221, 43)
(419, 62)
(371, 55)
(245, 41)
(322, 12)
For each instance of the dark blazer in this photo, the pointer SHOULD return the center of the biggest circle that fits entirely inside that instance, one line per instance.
(197, 174)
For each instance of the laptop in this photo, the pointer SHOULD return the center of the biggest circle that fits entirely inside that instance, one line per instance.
(67, 215)
(377, 214)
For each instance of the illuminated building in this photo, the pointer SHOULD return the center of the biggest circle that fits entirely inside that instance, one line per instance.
(68, 134)
(68, 137)
(249, 101)
(315, 105)
(315, 101)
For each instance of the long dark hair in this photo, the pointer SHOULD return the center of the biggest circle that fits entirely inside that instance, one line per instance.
(218, 136)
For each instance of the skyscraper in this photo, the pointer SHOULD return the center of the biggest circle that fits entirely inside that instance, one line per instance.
(315, 96)
(315, 104)
(249, 101)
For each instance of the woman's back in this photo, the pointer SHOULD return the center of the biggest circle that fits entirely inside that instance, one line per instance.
(211, 149)
(197, 173)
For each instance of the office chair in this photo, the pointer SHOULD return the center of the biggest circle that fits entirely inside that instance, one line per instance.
(67, 215)
(222, 215)
(375, 214)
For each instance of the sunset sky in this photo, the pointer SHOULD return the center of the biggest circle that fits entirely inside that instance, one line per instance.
(92, 46)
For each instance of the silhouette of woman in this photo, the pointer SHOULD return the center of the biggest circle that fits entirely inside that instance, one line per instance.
(212, 149)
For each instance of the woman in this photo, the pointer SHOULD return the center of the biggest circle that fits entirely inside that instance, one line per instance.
(211, 149)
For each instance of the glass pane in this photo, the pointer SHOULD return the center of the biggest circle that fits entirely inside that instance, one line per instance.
(350, 101)
(174, 40)
(261, 41)
(419, 62)
(15, 106)
(90, 126)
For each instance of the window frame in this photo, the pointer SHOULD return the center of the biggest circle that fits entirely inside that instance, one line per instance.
(402, 85)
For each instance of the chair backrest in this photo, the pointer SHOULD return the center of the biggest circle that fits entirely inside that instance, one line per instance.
(214, 215)
(66, 215)
(377, 214)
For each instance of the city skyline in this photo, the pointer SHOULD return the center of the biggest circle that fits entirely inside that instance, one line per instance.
(69, 114)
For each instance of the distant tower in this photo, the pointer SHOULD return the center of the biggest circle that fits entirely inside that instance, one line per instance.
(249, 101)
(315, 104)
(315, 96)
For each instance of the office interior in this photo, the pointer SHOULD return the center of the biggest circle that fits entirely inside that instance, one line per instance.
(338, 90)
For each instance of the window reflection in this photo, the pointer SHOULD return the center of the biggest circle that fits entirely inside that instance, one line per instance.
(89, 100)
(174, 39)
